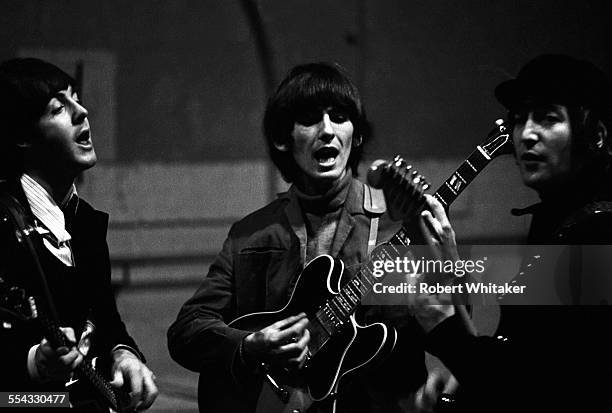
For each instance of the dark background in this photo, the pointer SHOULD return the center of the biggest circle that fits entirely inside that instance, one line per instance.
(190, 86)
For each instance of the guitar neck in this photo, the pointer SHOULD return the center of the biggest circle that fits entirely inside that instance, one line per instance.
(462, 177)
(84, 371)
(345, 303)
(335, 312)
(362, 282)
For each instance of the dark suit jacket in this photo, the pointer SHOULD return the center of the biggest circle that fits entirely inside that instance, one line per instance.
(255, 271)
(79, 293)
(543, 357)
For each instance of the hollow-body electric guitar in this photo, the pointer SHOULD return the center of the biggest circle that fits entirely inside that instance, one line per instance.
(338, 343)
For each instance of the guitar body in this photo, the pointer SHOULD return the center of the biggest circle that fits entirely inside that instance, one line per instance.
(349, 348)
(338, 344)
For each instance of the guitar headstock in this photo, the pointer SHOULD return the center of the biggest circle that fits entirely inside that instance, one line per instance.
(15, 303)
(498, 141)
(402, 185)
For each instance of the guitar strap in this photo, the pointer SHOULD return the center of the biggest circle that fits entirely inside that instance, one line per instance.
(374, 204)
(25, 233)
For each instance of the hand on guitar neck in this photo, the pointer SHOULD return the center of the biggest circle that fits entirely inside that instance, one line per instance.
(432, 309)
(128, 372)
(57, 364)
(437, 230)
(404, 192)
(283, 343)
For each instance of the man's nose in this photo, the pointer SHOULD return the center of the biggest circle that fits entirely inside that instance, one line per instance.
(327, 129)
(530, 133)
(79, 113)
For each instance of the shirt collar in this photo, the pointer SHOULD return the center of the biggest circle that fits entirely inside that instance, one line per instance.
(45, 209)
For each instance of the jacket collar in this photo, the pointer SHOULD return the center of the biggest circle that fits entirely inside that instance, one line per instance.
(352, 206)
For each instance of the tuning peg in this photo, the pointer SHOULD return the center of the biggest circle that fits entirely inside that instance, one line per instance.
(375, 173)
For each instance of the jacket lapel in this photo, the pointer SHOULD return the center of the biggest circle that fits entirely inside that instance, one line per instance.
(293, 213)
(352, 206)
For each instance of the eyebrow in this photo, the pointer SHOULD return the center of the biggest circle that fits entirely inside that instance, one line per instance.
(62, 95)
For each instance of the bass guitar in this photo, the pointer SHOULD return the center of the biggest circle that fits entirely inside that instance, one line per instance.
(91, 391)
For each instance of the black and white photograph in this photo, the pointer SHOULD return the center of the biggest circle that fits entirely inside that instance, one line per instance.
(305, 206)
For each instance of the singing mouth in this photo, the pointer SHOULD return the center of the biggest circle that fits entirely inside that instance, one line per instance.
(531, 157)
(84, 137)
(326, 154)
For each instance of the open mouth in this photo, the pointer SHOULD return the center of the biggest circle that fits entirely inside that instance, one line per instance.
(84, 138)
(326, 155)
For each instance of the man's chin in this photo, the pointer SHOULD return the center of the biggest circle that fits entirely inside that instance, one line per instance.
(85, 163)
(536, 181)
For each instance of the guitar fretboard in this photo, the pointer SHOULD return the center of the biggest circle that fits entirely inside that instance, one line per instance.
(84, 370)
(334, 314)
(462, 177)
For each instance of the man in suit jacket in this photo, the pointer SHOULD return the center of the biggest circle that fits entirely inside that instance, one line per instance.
(45, 143)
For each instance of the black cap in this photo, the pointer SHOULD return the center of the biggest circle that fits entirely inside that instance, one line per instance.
(555, 78)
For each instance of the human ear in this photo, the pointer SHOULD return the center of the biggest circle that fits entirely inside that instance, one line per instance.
(601, 133)
(357, 141)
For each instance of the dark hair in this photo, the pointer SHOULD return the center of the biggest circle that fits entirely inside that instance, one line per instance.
(26, 87)
(586, 144)
(308, 87)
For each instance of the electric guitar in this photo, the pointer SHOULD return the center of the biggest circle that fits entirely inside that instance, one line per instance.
(91, 392)
(498, 142)
(338, 344)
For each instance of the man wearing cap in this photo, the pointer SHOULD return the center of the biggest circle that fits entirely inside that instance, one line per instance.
(546, 358)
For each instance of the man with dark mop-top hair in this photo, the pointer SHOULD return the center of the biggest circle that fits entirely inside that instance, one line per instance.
(315, 128)
(45, 143)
